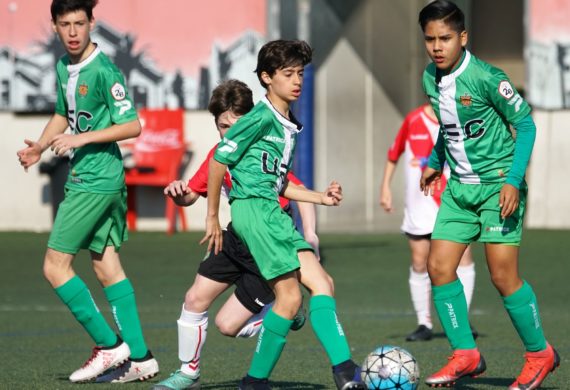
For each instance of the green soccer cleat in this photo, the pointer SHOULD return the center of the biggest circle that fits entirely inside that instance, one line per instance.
(178, 381)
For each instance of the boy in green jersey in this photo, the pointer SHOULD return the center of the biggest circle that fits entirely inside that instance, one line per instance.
(259, 150)
(486, 195)
(93, 102)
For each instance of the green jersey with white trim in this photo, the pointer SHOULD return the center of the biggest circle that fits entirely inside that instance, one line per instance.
(475, 104)
(92, 96)
(258, 150)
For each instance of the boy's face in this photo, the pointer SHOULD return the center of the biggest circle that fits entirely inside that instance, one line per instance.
(286, 83)
(225, 121)
(73, 29)
(444, 45)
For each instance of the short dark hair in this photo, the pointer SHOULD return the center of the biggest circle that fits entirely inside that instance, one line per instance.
(61, 7)
(443, 10)
(232, 95)
(282, 54)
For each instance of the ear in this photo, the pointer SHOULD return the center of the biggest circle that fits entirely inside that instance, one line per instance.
(53, 26)
(92, 23)
(464, 36)
(266, 78)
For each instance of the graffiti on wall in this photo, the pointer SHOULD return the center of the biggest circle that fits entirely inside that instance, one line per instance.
(548, 54)
(171, 63)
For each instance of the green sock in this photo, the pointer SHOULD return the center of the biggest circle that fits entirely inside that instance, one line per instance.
(121, 297)
(75, 294)
(451, 307)
(328, 329)
(523, 310)
(270, 343)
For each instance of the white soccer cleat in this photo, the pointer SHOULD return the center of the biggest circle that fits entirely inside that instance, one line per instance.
(100, 361)
(131, 371)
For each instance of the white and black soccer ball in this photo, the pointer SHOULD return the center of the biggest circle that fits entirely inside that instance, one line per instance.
(389, 367)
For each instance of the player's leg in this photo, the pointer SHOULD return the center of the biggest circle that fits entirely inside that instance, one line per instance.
(456, 226)
(276, 326)
(420, 287)
(324, 319)
(120, 294)
(235, 320)
(520, 302)
(74, 224)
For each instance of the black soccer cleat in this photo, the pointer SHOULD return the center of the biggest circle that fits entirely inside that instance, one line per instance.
(249, 383)
(422, 333)
(347, 376)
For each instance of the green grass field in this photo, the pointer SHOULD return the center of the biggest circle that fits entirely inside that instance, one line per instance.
(41, 344)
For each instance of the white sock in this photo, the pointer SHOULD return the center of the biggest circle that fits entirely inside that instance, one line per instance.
(252, 327)
(192, 331)
(420, 289)
(466, 275)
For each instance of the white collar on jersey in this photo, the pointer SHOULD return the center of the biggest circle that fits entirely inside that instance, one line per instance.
(292, 125)
(77, 67)
(456, 73)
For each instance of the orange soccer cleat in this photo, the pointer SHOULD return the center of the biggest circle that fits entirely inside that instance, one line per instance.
(463, 362)
(536, 368)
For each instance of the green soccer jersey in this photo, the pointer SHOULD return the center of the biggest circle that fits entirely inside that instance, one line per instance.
(259, 150)
(92, 96)
(475, 104)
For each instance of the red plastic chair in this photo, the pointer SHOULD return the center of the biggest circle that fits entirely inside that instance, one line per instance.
(157, 156)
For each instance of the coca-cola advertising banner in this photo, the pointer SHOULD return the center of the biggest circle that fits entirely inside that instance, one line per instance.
(173, 53)
(548, 53)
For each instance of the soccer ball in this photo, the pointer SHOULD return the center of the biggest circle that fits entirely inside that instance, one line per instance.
(389, 367)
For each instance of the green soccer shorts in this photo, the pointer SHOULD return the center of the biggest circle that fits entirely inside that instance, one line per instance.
(471, 212)
(89, 221)
(269, 234)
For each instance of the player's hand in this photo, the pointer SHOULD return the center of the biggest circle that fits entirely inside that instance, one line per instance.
(62, 143)
(386, 199)
(430, 181)
(29, 155)
(176, 189)
(313, 240)
(332, 195)
(508, 200)
(213, 235)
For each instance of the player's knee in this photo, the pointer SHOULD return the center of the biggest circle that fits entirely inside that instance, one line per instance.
(194, 302)
(226, 327)
(437, 270)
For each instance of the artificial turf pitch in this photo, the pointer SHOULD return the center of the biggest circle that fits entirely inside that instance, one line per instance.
(41, 344)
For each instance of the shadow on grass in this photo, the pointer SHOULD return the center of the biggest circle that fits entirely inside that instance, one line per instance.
(273, 384)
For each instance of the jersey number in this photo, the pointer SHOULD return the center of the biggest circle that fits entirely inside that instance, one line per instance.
(278, 170)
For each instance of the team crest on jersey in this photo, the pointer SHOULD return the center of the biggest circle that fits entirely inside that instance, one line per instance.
(465, 100)
(118, 91)
(506, 90)
(83, 89)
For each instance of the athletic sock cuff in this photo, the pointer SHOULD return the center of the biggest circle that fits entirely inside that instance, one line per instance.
(520, 297)
(322, 302)
(119, 290)
(70, 289)
(447, 291)
(277, 324)
(192, 318)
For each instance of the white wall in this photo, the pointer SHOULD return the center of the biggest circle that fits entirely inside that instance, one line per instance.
(24, 201)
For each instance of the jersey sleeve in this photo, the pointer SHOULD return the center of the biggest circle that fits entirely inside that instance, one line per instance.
(294, 179)
(199, 182)
(244, 133)
(60, 104)
(399, 145)
(505, 98)
(116, 96)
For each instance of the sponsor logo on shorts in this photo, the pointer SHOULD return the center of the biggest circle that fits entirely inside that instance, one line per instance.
(498, 229)
(256, 300)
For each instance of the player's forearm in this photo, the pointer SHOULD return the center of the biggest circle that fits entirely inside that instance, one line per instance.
(526, 134)
(437, 157)
(308, 217)
(389, 170)
(114, 133)
(216, 172)
(56, 125)
(302, 194)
